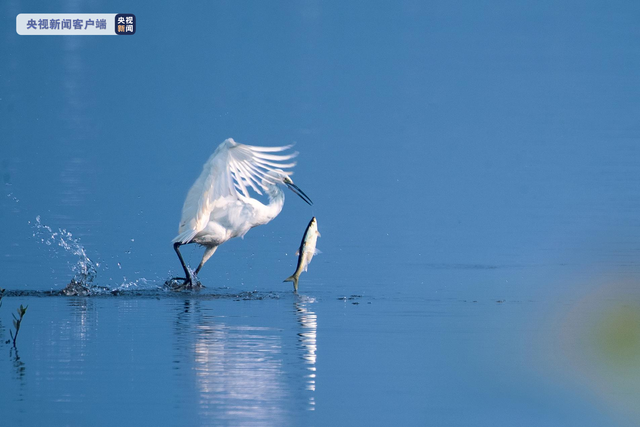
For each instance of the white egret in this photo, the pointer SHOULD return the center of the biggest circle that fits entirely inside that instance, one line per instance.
(218, 206)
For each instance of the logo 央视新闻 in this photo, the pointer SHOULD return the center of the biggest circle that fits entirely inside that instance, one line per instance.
(125, 24)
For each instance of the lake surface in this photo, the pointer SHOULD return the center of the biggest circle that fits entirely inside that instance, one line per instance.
(222, 356)
(475, 172)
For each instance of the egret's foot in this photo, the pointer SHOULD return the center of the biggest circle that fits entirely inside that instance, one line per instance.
(182, 284)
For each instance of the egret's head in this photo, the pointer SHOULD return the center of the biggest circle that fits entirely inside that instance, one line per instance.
(279, 176)
(275, 176)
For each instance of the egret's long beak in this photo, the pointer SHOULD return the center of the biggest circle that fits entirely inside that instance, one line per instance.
(300, 193)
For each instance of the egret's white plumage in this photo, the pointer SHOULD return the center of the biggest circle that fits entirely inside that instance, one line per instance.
(218, 206)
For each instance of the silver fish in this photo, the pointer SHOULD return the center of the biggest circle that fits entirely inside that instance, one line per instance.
(306, 252)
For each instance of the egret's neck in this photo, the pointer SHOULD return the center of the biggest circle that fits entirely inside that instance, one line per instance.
(276, 201)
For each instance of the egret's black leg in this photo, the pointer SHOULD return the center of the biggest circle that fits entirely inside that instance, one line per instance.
(187, 273)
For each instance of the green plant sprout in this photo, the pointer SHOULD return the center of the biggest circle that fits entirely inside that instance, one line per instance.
(16, 323)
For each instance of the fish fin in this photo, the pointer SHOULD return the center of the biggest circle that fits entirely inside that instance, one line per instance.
(317, 251)
(293, 279)
(298, 252)
(318, 233)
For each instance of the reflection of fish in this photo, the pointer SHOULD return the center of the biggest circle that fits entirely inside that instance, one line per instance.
(307, 251)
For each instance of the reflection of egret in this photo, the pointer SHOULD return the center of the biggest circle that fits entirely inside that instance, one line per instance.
(308, 339)
(218, 206)
(236, 369)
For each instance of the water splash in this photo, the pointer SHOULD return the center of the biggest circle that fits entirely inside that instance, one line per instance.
(84, 269)
(138, 284)
(13, 198)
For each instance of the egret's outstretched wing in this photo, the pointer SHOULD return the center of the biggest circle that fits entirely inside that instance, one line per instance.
(224, 179)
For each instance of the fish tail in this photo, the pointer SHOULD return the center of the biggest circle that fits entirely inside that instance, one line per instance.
(293, 278)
